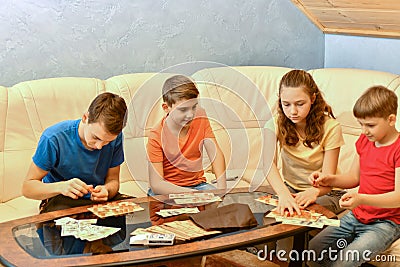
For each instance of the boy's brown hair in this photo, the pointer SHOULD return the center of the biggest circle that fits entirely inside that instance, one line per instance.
(109, 109)
(178, 87)
(377, 102)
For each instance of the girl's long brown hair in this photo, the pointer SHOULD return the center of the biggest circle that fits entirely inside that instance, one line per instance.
(287, 134)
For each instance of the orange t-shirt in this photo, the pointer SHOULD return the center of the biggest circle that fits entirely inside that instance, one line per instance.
(181, 157)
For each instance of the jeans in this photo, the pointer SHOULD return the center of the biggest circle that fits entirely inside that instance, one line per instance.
(353, 243)
(200, 187)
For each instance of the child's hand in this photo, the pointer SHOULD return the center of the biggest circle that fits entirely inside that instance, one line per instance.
(318, 179)
(74, 188)
(288, 203)
(99, 194)
(306, 197)
(349, 200)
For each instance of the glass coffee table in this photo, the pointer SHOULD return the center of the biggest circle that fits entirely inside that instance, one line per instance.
(37, 241)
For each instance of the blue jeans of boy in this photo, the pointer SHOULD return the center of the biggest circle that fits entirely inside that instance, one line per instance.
(353, 243)
(201, 186)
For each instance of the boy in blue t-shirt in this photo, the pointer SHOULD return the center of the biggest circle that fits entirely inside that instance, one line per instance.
(78, 162)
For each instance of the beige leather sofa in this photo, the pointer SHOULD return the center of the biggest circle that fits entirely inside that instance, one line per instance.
(238, 101)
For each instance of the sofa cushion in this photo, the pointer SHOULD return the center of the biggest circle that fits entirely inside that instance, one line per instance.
(390, 257)
(142, 93)
(32, 107)
(18, 208)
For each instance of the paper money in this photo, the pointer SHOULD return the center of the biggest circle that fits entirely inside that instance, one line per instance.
(197, 200)
(174, 212)
(191, 195)
(330, 222)
(303, 223)
(84, 229)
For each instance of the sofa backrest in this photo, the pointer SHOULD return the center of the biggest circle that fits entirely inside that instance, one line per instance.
(238, 101)
(341, 88)
(243, 100)
(33, 106)
(142, 92)
(3, 114)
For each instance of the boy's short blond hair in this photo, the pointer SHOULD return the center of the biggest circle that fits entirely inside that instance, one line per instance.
(377, 102)
(178, 87)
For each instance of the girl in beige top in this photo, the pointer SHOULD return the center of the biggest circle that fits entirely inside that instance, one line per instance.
(309, 139)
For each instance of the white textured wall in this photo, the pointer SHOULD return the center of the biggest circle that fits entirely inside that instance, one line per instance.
(102, 38)
(362, 52)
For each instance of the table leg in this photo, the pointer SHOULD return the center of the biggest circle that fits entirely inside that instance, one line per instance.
(300, 244)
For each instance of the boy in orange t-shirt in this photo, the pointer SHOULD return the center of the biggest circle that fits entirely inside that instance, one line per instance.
(175, 144)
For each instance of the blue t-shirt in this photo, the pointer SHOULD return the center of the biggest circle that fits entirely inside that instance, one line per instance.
(61, 152)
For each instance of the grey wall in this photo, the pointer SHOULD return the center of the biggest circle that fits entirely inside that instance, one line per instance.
(362, 52)
(102, 38)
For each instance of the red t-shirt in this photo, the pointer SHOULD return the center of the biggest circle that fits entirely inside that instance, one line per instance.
(181, 157)
(377, 176)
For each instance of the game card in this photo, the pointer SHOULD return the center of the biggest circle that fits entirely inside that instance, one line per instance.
(114, 208)
(268, 199)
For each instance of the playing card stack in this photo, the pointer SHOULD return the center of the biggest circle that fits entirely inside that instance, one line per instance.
(307, 218)
(183, 230)
(174, 212)
(152, 239)
(84, 229)
(194, 198)
(114, 208)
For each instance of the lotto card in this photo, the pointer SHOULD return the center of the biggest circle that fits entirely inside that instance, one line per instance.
(174, 212)
(268, 199)
(308, 216)
(114, 208)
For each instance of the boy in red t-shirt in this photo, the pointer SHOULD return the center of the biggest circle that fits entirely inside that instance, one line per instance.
(175, 144)
(373, 223)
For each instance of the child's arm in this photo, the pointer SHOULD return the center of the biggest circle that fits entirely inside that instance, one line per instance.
(217, 159)
(350, 179)
(159, 185)
(270, 154)
(387, 200)
(286, 201)
(34, 188)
